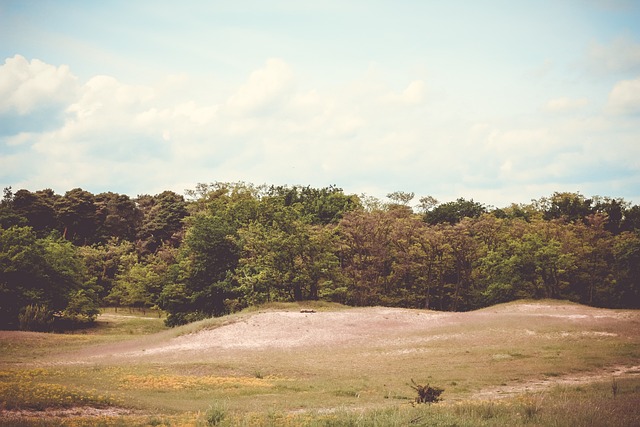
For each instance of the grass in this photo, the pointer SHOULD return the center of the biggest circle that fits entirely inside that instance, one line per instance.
(562, 406)
(111, 326)
(363, 385)
(19, 390)
(128, 322)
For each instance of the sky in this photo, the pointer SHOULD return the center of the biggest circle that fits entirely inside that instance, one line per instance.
(497, 101)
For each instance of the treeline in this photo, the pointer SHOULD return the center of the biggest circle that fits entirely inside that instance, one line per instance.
(230, 245)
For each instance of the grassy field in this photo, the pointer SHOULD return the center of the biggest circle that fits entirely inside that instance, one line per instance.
(544, 363)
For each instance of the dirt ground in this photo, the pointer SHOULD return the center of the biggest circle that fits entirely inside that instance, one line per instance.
(352, 327)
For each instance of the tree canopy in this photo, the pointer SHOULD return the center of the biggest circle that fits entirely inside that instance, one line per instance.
(230, 245)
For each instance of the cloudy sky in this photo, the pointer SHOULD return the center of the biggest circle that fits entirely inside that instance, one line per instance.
(498, 101)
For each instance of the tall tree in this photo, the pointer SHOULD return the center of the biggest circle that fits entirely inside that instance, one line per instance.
(287, 259)
(366, 255)
(104, 261)
(38, 208)
(322, 205)
(76, 210)
(162, 221)
(400, 198)
(8, 216)
(454, 212)
(626, 290)
(465, 253)
(590, 244)
(41, 272)
(212, 256)
(570, 207)
(117, 217)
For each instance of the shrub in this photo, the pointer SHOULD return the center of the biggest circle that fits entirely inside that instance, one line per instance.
(82, 307)
(215, 414)
(36, 317)
(181, 318)
(426, 393)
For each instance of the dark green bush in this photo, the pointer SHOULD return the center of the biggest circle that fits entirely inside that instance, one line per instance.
(37, 318)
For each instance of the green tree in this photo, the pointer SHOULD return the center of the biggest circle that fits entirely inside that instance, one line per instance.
(137, 286)
(8, 216)
(409, 278)
(321, 205)
(465, 251)
(117, 217)
(288, 259)
(400, 198)
(570, 207)
(104, 261)
(39, 210)
(591, 245)
(507, 270)
(532, 262)
(76, 210)
(454, 212)
(366, 255)
(631, 219)
(209, 253)
(212, 255)
(162, 221)
(23, 273)
(42, 272)
(433, 261)
(625, 291)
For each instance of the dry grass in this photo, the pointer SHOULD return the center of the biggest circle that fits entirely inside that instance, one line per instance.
(518, 363)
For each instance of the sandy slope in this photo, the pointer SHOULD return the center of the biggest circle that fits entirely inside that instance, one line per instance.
(396, 330)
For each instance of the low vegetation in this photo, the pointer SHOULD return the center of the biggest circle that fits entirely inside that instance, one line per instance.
(526, 363)
(426, 393)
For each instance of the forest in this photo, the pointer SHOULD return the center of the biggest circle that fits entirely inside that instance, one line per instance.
(222, 247)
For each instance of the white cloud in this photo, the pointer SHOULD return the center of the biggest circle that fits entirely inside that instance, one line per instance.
(413, 94)
(106, 95)
(265, 87)
(624, 98)
(621, 55)
(520, 140)
(26, 86)
(19, 139)
(563, 105)
(361, 135)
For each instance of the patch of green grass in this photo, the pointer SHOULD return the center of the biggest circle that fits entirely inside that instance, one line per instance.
(27, 347)
(133, 322)
(558, 407)
(21, 347)
(347, 393)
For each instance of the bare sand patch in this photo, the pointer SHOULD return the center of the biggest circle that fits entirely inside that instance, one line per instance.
(540, 385)
(287, 329)
(390, 330)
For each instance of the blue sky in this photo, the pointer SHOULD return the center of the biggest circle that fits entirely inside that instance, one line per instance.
(499, 101)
